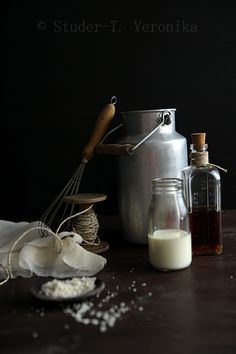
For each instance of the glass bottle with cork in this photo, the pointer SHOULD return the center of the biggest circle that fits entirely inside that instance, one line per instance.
(202, 189)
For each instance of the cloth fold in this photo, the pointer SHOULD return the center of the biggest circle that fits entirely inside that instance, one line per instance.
(34, 254)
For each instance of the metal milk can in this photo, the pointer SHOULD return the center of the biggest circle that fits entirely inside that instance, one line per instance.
(150, 149)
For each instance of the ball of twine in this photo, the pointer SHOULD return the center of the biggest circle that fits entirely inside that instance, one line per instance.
(87, 226)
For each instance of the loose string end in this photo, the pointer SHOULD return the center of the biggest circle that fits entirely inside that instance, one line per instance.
(219, 167)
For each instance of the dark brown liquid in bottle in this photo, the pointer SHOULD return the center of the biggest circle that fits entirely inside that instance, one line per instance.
(206, 231)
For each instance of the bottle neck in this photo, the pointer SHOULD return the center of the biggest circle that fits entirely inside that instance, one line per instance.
(199, 155)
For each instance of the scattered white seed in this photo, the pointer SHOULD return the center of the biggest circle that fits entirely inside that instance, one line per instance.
(86, 321)
(105, 315)
(103, 328)
(112, 322)
(35, 334)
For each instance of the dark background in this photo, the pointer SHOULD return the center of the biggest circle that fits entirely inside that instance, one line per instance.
(59, 79)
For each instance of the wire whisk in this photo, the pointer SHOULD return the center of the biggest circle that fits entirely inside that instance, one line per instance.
(60, 211)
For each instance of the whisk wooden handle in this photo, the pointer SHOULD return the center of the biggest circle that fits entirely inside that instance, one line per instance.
(104, 119)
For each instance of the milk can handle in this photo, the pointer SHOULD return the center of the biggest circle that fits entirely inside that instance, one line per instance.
(127, 149)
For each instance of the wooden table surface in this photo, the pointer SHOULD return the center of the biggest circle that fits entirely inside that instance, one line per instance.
(187, 311)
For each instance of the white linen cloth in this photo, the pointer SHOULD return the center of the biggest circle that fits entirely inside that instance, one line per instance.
(34, 254)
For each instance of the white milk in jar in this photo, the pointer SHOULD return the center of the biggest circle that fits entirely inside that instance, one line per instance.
(170, 249)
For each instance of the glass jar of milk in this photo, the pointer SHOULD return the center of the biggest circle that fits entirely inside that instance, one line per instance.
(169, 238)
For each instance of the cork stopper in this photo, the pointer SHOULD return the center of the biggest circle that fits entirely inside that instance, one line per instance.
(198, 139)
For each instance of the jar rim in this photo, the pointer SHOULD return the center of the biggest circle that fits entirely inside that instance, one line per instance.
(167, 179)
(167, 182)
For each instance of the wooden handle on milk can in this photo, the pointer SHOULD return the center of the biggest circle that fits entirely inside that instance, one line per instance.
(113, 149)
(104, 119)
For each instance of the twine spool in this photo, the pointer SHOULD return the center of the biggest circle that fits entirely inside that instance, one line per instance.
(87, 226)
(86, 223)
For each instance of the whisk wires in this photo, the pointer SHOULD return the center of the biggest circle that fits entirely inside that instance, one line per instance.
(58, 211)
